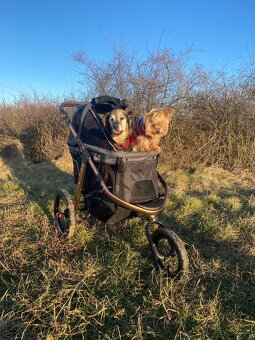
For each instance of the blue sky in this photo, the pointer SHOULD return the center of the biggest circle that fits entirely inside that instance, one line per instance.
(38, 37)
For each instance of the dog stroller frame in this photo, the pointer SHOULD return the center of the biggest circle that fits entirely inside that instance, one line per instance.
(115, 184)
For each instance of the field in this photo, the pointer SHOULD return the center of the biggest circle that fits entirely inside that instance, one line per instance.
(102, 285)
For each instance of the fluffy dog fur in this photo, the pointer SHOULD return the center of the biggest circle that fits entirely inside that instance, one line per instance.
(117, 123)
(156, 123)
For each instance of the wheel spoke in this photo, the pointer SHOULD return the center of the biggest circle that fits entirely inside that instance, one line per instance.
(64, 213)
(170, 252)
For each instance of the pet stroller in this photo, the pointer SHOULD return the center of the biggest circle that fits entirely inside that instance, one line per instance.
(113, 184)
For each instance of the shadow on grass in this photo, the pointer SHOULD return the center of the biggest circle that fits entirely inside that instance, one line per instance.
(124, 278)
(128, 280)
(234, 276)
(223, 266)
(40, 181)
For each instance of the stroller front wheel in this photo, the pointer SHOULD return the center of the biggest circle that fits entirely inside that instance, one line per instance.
(171, 254)
(64, 213)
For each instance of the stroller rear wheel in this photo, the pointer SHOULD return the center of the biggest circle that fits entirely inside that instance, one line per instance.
(171, 254)
(64, 213)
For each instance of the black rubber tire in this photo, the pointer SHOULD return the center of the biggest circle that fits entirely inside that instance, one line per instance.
(173, 257)
(64, 213)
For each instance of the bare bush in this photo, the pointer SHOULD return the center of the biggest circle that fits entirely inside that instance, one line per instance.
(214, 119)
(217, 126)
(161, 78)
(37, 124)
(215, 113)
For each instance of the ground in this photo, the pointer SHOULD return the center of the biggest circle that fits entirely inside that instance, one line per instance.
(102, 285)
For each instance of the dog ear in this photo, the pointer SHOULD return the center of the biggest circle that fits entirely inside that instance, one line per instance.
(105, 121)
(105, 117)
(169, 113)
(130, 118)
(147, 116)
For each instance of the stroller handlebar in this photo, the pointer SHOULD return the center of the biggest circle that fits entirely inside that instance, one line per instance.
(64, 105)
(64, 115)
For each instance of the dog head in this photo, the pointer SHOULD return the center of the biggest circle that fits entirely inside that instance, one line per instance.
(157, 122)
(118, 123)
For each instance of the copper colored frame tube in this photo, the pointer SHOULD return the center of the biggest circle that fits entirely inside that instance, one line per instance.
(125, 204)
(77, 196)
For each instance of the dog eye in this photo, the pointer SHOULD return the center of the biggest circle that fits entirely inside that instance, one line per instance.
(121, 118)
(111, 119)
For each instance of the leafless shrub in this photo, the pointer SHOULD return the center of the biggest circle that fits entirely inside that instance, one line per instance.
(161, 78)
(214, 119)
(215, 113)
(217, 125)
(36, 123)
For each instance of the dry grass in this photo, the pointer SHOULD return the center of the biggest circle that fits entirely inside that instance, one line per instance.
(34, 122)
(101, 285)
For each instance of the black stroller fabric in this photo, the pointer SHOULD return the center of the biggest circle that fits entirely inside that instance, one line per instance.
(104, 104)
(131, 176)
(90, 129)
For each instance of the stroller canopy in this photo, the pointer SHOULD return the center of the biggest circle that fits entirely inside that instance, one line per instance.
(87, 121)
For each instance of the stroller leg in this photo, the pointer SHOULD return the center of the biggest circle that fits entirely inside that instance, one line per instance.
(154, 250)
(79, 187)
(168, 250)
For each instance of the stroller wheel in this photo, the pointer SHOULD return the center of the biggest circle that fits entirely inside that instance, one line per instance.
(171, 253)
(64, 213)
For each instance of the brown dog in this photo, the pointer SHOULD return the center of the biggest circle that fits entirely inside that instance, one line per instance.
(156, 123)
(117, 123)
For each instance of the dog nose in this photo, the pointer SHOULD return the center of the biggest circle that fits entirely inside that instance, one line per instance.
(157, 130)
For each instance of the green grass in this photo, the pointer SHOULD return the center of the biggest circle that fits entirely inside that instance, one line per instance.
(102, 285)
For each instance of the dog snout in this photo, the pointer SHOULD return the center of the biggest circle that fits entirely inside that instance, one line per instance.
(116, 125)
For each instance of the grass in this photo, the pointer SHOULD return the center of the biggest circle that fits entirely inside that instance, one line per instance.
(102, 285)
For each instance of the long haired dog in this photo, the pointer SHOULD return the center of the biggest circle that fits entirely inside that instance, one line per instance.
(156, 124)
(118, 124)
